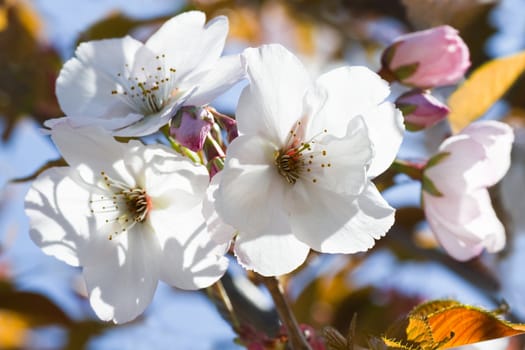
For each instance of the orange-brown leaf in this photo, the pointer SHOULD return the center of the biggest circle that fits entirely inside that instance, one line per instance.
(483, 88)
(445, 324)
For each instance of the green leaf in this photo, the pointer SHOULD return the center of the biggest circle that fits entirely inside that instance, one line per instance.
(388, 54)
(429, 187)
(413, 127)
(483, 88)
(404, 72)
(406, 109)
(438, 158)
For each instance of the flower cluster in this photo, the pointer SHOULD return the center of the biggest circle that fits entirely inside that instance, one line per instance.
(292, 172)
(455, 181)
(297, 177)
(424, 60)
(131, 214)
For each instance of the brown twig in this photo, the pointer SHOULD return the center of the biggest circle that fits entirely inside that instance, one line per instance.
(296, 337)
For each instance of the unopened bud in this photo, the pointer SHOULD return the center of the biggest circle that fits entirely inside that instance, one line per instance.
(421, 110)
(190, 126)
(428, 58)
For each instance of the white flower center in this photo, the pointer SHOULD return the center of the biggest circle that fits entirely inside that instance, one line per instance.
(147, 90)
(297, 159)
(122, 206)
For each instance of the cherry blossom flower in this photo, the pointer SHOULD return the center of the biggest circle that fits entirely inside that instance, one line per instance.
(298, 176)
(132, 89)
(455, 197)
(129, 214)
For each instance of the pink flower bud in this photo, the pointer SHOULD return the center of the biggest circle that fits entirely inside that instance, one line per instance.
(190, 126)
(421, 110)
(455, 198)
(428, 58)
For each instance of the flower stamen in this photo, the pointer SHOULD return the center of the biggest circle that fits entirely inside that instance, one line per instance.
(297, 156)
(127, 206)
(147, 90)
(289, 165)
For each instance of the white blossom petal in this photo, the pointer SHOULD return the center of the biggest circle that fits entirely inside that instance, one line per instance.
(219, 231)
(150, 124)
(341, 164)
(91, 150)
(226, 72)
(172, 181)
(354, 91)
(86, 81)
(334, 223)
(357, 88)
(57, 207)
(270, 254)
(463, 170)
(77, 122)
(122, 275)
(188, 44)
(351, 91)
(465, 224)
(190, 258)
(270, 105)
(109, 55)
(497, 140)
(479, 157)
(386, 129)
(251, 190)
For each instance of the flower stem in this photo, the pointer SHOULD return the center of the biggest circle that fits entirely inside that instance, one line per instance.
(179, 148)
(215, 147)
(219, 295)
(414, 170)
(296, 337)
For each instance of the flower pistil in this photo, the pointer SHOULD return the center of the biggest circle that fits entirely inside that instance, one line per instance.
(297, 156)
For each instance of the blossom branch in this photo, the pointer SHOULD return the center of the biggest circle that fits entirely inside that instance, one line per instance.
(296, 338)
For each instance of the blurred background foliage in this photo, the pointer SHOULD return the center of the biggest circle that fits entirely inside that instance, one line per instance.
(404, 269)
